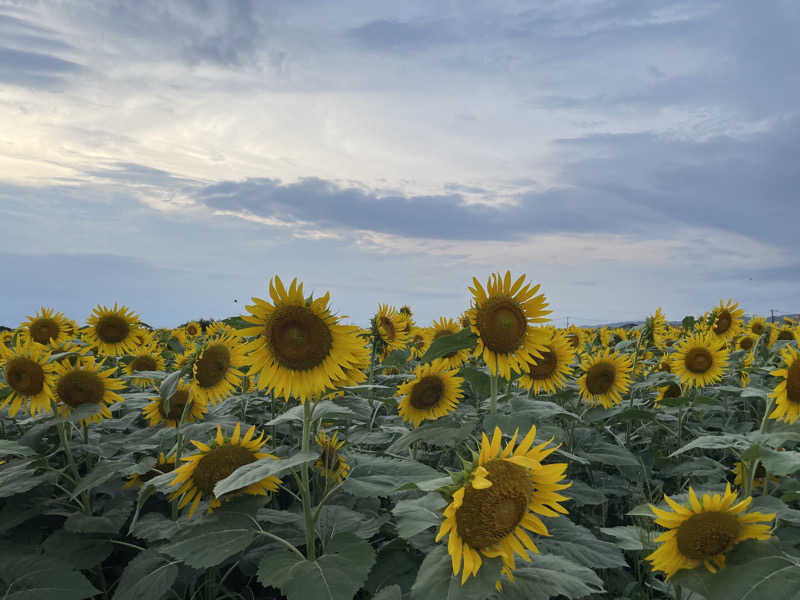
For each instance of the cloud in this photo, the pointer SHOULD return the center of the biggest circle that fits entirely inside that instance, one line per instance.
(33, 69)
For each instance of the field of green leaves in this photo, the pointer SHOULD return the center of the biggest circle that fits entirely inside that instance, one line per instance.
(288, 454)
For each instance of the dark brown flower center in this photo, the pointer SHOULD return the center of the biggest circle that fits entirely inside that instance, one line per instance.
(330, 458)
(192, 329)
(418, 342)
(487, 516)
(665, 366)
(544, 366)
(502, 324)
(298, 338)
(793, 382)
(144, 363)
(43, 330)
(112, 329)
(218, 464)
(786, 334)
(176, 405)
(25, 376)
(673, 390)
(600, 377)
(78, 387)
(757, 328)
(724, 322)
(427, 392)
(386, 329)
(746, 343)
(705, 535)
(573, 340)
(698, 360)
(212, 365)
(156, 470)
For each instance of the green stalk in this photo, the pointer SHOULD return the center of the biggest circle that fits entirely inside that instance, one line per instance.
(751, 472)
(73, 466)
(493, 391)
(305, 491)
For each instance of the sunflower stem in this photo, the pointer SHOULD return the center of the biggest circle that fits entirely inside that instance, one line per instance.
(371, 380)
(73, 466)
(493, 392)
(305, 491)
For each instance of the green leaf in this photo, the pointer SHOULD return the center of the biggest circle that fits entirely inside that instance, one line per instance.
(609, 454)
(629, 537)
(450, 343)
(436, 433)
(103, 472)
(479, 379)
(548, 576)
(169, 385)
(415, 516)
(155, 526)
(149, 575)
(80, 550)
(261, 469)
(327, 409)
(39, 577)
(334, 519)
(717, 442)
(396, 358)
(12, 448)
(336, 575)
(435, 579)
(210, 541)
(579, 545)
(111, 521)
(18, 479)
(776, 463)
(755, 392)
(393, 592)
(381, 476)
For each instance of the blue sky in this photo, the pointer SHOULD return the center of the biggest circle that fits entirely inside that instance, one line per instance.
(173, 156)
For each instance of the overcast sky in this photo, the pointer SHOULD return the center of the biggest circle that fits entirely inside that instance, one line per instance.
(173, 156)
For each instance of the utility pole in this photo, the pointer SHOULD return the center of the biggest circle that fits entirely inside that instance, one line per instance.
(567, 322)
(772, 315)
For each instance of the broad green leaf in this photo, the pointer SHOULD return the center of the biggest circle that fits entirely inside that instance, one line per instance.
(82, 551)
(479, 379)
(155, 526)
(415, 516)
(776, 463)
(12, 448)
(334, 519)
(382, 476)
(396, 358)
(261, 469)
(210, 541)
(629, 537)
(40, 577)
(435, 579)
(609, 454)
(579, 545)
(732, 441)
(449, 343)
(113, 517)
(336, 575)
(325, 409)
(548, 576)
(169, 385)
(437, 433)
(19, 478)
(103, 472)
(393, 592)
(149, 575)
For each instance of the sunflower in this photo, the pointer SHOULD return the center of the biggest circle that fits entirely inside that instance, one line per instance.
(392, 328)
(757, 326)
(606, 376)
(577, 337)
(163, 465)
(700, 360)
(215, 461)
(179, 336)
(744, 369)
(353, 374)
(727, 320)
(671, 390)
(503, 316)
(658, 325)
(758, 478)
(192, 329)
(156, 412)
(111, 330)
(704, 533)
(664, 364)
(84, 383)
(300, 349)
(779, 333)
(220, 328)
(145, 359)
(745, 342)
(30, 377)
(46, 327)
(418, 344)
(216, 374)
(441, 328)
(500, 500)
(787, 392)
(434, 393)
(330, 462)
(549, 373)
(144, 339)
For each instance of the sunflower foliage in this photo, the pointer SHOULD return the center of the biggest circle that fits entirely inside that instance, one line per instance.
(285, 453)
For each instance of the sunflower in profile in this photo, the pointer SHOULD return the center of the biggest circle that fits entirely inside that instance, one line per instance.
(727, 320)
(606, 376)
(330, 462)
(163, 465)
(576, 337)
(671, 390)
(46, 327)
(704, 533)
(548, 374)
(111, 330)
(156, 412)
(758, 478)
(418, 344)
(664, 364)
(501, 498)
(745, 368)
(658, 326)
(192, 329)
(216, 374)
(179, 335)
(215, 461)
(392, 328)
(700, 360)
(84, 383)
(220, 328)
(300, 349)
(7, 337)
(433, 393)
(779, 333)
(757, 326)
(787, 391)
(444, 327)
(30, 377)
(745, 342)
(144, 339)
(503, 316)
(146, 359)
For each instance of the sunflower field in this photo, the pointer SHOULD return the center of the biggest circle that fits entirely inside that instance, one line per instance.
(286, 453)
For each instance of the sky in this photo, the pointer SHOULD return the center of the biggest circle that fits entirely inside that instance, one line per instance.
(173, 156)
